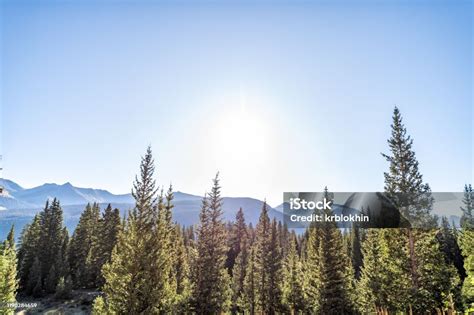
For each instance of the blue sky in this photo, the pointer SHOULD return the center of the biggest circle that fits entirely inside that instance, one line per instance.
(277, 96)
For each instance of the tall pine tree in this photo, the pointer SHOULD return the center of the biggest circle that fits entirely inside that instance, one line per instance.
(212, 291)
(404, 184)
(293, 295)
(139, 277)
(335, 272)
(267, 265)
(82, 273)
(42, 253)
(249, 296)
(239, 250)
(27, 254)
(103, 242)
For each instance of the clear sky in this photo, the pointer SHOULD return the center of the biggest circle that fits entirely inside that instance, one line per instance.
(277, 96)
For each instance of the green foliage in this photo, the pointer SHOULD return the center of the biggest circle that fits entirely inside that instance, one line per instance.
(122, 274)
(8, 273)
(312, 282)
(386, 282)
(99, 307)
(238, 232)
(91, 245)
(212, 290)
(293, 295)
(467, 247)
(28, 254)
(103, 241)
(448, 244)
(355, 251)
(369, 288)
(139, 277)
(181, 272)
(64, 288)
(238, 249)
(403, 181)
(447, 239)
(150, 265)
(34, 284)
(467, 219)
(249, 298)
(43, 251)
(335, 272)
(437, 279)
(327, 268)
(82, 264)
(264, 278)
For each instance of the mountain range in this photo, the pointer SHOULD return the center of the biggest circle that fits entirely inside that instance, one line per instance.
(18, 197)
(18, 205)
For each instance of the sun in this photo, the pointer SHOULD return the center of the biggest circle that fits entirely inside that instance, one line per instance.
(242, 137)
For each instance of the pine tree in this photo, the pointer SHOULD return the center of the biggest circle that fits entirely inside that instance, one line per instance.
(466, 243)
(41, 251)
(438, 280)
(249, 298)
(27, 253)
(51, 282)
(370, 287)
(8, 274)
(81, 245)
(293, 295)
(103, 242)
(284, 238)
(335, 273)
(10, 241)
(268, 261)
(467, 218)
(181, 273)
(138, 278)
(238, 279)
(311, 267)
(237, 233)
(274, 271)
(239, 250)
(467, 246)
(123, 274)
(92, 267)
(448, 243)
(262, 251)
(356, 251)
(404, 182)
(212, 282)
(385, 283)
(34, 285)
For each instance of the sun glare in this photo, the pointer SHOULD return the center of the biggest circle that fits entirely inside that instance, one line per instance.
(242, 138)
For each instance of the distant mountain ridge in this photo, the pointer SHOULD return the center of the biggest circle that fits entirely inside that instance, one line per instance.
(21, 198)
(19, 205)
(17, 197)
